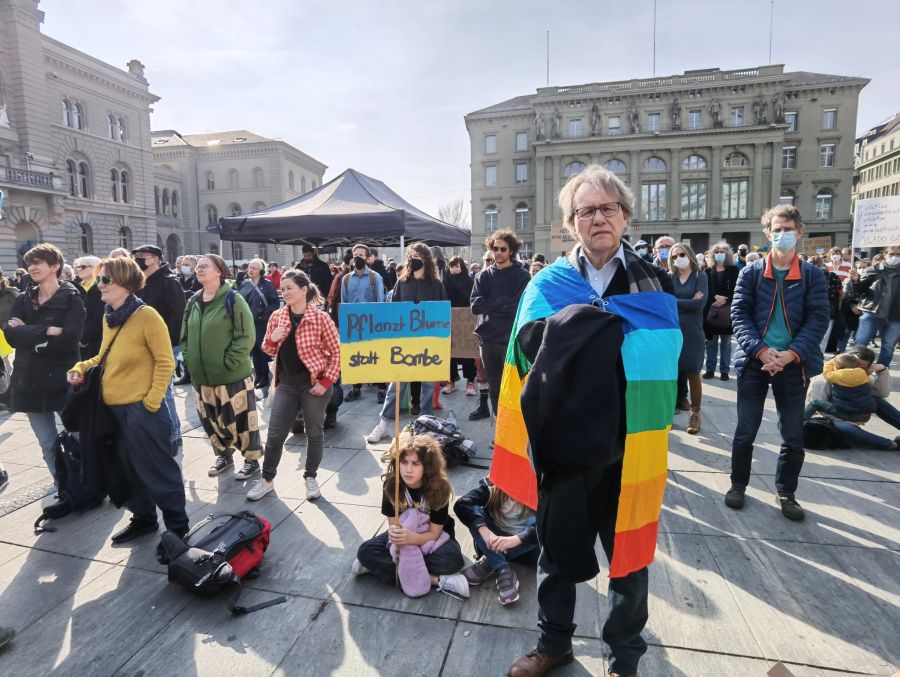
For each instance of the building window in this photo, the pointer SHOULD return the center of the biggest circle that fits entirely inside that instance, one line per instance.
(490, 218)
(78, 120)
(174, 202)
(258, 206)
(787, 197)
(695, 119)
(737, 116)
(490, 144)
(237, 250)
(735, 160)
(85, 240)
(165, 202)
(829, 118)
(291, 180)
(66, 113)
(734, 199)
(693, 200)
(234, 181)
(258, 179)
(123, 187)
(235, 209)
(521, 172)
(826, 155)
(521, 216)
(653, 122)
(114, 181)
(575, 128)
(616, 166)
(613, 125)
(490, 175)
(156, 198)
(72, 174)
(823, 203)
(655, 164)
(693, 162)
(83, 181)
(314, 184)
(653, 201)
(210, 181)
(173, 246)
(125, 237)
(526, 251)
(572, 169)
(789, 157)
(302, 184)
(121, 129)
(791, 120)
(212, 215)
(213, 248)
(111, 126)
(521, 141)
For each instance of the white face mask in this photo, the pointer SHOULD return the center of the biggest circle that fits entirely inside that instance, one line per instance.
(186, 270)
(683, 262)
(836, 259)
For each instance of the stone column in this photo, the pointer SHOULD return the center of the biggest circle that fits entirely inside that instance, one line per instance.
(714, 194)
(675, 185)
(554, 190)
(634, 163)
(756, 198)
(540, 191)
(775, 190)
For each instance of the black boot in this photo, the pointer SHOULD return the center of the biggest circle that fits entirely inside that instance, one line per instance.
(136, 527)
(330, 420)
(482, 412)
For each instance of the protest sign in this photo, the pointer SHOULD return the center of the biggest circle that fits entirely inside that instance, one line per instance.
(395, 342)
(811, 245)
(463, 342)
(561, 238)
(877, 223)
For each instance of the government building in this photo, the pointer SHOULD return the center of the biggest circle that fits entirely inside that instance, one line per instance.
(878, 161)
(705, 154)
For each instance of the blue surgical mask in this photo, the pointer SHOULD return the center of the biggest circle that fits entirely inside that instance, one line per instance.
(641, 250)
(664, 254)
(784, 241)
(720, 257)
(892, 261)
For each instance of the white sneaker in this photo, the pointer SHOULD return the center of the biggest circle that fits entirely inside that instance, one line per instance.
(312, 489)
(454, 585)
(259, 489)
(378, 432)
(357, 569)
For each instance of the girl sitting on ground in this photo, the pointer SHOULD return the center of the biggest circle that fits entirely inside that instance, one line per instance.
(423, 536)
(503, 530)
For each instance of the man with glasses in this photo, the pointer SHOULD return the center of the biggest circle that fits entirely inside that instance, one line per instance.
(661, 250)
(495, 296)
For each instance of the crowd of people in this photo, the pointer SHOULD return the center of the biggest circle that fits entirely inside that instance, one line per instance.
(235, 333)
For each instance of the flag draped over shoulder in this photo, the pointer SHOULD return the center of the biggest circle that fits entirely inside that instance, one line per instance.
(650, 350)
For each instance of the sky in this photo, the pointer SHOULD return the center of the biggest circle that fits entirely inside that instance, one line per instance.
(382, 85)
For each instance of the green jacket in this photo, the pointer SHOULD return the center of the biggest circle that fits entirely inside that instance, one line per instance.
(217, 347)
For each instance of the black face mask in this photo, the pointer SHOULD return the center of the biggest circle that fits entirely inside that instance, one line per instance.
(142, 264)
(359, 262)
(416, 264)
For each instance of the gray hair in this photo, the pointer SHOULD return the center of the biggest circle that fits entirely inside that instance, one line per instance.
(729, 254)
(789, 212)
(600, 178)
(692, 257)
(91, 261)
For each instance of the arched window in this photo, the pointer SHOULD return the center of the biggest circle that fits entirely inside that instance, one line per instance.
(85, 239)
(490, 218)
(257, 206)
(156, 198)
(302, 184)
(114, 184)
(212, 215)
(235, 209)
(165, 202)
(173, 246)
(78, 116)
(174, 203)
(734, 160)
(125, 189)
(258, 178)
(213, 248)
(72, 174)
(237, 250)
(234, 181)
(121, 125)
(655, 164)
(210, 181)
(27, 235)
(572, 168)
(521, 216)
(787, 197)
(693, 162)
(615, 166)
(83, 179)
(125, 237)
(159, 242)
(291, 180)
(111, 126)
(824, 199)
(66, 113)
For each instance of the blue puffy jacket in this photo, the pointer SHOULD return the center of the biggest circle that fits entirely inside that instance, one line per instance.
(805, 302)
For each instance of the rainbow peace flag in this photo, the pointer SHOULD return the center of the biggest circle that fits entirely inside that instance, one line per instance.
(650, 352)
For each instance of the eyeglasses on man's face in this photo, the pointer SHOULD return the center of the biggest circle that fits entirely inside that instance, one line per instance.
(608, 209)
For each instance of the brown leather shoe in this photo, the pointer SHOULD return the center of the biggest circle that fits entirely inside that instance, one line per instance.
(693, 426)
(536, 664)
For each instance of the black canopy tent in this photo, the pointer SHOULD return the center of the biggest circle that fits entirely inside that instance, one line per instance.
(350, 208)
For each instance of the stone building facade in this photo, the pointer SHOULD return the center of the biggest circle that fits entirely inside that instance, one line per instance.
(878, 162)
(75, 160)
(705, 153)
(201, 177)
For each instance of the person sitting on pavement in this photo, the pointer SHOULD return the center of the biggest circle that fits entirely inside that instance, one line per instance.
(216, 339)
(851, 393)
(137, 368)
(306, 347)
(362, 285)
(262, 297)
(458, 285)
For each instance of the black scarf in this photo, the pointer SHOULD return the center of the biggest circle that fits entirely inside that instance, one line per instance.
(116, 317)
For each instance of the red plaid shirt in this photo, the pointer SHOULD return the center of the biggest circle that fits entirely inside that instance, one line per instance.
(318, 343)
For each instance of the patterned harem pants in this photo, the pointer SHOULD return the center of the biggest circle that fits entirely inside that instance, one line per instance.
(229, 417)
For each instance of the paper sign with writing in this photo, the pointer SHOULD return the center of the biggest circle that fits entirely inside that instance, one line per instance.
(812, 245)
(561, 238)
(395, 342)
(463, 342)
(877, 223)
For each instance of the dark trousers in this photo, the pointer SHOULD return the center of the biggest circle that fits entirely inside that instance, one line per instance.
(493, 355)
(468, 368)
(375, 556)
(290, 399)
(260, 359)
(887, 412)
(789, 389)
(154, 478)
(627, 596)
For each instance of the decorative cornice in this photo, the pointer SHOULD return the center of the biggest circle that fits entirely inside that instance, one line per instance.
(135, 91)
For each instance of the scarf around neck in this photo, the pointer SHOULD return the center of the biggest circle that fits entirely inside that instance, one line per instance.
(116, 317)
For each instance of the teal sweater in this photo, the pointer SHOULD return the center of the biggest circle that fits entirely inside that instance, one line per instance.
(217, 347)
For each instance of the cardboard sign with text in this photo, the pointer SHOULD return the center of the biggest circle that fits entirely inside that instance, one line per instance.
(561, 238)
(811, 244)
(877, 223)
(463, 342)
(395, 342)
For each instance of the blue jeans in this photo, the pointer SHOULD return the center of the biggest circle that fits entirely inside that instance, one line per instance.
(174, 423)
(858, 437)
(44, 427)
(712, 348)
(887, 412)
(498, 560)
(387, 411)
(789, 389)
(890, 335)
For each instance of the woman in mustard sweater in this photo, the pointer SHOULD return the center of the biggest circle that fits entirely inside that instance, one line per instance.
(136, 374)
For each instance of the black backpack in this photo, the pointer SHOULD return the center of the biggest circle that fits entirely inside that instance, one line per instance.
(821, 433)
(73, 495)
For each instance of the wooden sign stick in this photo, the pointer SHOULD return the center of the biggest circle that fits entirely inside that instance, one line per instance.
(397, 473)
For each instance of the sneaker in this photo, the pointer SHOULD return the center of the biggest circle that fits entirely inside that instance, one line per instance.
(312, 489)
(259, 488)
(508, 585)
(790, 508)
(222, 464)
(6, 636)
(354, 394)
(723, 376)
(4, 480)
(734, 498)
(357, 569)
(470, 389)
(378, 433)
(480, 413)
(449, 388)
(248, 470)
(380, 396)
(708, 374)
(454, 585)
(682, 405)
(479, 572)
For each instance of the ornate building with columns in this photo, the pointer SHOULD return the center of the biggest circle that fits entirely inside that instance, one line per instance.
(705, 153)
(75, 160)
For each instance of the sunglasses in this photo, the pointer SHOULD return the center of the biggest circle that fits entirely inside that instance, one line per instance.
(82, 267)
(104, 280)
(502, 250)
(680, 255)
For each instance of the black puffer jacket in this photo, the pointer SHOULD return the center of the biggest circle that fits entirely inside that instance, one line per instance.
(38, 382)
(163, 292)
(459, 289)
(92, 335)
(879, 293)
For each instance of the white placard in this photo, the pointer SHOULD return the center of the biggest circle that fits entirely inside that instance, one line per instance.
(877, 223)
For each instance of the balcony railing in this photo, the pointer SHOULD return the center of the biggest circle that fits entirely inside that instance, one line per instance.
(25, 177)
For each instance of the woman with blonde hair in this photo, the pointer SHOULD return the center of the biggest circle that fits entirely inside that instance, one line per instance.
(86, 271)
(722, 277)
